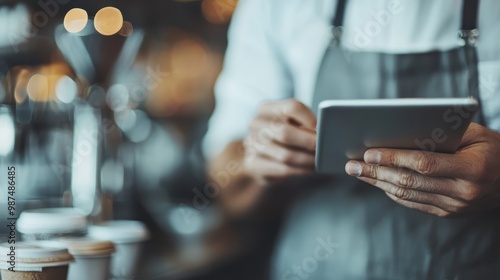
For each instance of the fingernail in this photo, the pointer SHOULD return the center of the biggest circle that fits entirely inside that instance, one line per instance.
(353, 168)
(372, 157)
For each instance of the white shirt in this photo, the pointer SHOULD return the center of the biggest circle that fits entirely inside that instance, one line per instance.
(276, 47)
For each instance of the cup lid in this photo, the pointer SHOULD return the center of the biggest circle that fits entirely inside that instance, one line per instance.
(33, 255)
(119, 231)
(88, 247)
(51, 220)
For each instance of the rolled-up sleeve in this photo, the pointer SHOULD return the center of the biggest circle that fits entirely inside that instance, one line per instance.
(253, 72)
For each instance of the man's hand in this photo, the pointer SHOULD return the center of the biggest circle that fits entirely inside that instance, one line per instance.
(441, 184)
(281, 141)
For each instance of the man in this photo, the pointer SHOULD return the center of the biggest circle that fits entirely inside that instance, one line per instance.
(284, 57)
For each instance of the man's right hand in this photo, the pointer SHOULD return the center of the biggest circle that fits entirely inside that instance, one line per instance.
(281, 141)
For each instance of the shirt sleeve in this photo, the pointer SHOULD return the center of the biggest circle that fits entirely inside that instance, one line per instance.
(253, 72)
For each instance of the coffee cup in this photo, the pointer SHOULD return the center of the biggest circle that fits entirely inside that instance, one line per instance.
(34, 261)
(128, 237)
(52, 223)
(92, 258)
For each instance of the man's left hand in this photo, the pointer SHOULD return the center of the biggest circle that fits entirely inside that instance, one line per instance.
(444, 185)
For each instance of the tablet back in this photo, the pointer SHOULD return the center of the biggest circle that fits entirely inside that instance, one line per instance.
(347, 128)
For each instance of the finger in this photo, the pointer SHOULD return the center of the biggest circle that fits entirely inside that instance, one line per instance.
(423, 162)
(288, 156)
(436, 211)
(446, 203)
(290, 110)
(286, 134)
(296, 137)
(471, 135)
(264, 132)
(268, 169)
(405, 178)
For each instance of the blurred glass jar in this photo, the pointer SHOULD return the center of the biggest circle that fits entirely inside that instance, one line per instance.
(52, 223)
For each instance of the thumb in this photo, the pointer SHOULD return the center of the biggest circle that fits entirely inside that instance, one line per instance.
(472, 134)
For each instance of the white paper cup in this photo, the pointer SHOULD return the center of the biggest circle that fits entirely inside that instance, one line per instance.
(34, 261)
(92, 258)
(128, 237)
(52, 223)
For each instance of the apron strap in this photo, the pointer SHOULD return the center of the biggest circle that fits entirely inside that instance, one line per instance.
(469, 33)
(338, 19)
(470, 11)
(468, 30)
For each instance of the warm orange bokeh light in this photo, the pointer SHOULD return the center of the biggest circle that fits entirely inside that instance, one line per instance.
(218, 11)
(38, 88)
(108, 21)
(75, 20)
(21, 83)
(40, 84)
(190, 69)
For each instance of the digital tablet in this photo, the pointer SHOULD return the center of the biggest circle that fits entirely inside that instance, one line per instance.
(347, 128)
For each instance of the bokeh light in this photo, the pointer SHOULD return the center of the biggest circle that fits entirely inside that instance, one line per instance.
(96, 95)
(189, 69)
(218, 11)
(108, 21)
(75, 20)
(118, 97)
(15, 24)
(66, 89)
(22, 78)
(45, 83)
(38, 88)
(7, 141)
(127, 29)
(188, 58)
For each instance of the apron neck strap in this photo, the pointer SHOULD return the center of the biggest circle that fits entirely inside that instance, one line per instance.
(468, 29)
(338, 19)
(470, 11)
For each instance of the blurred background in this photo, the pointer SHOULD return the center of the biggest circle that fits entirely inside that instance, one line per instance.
(103, 105)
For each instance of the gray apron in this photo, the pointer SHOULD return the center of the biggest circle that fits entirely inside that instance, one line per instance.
(346, 229)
